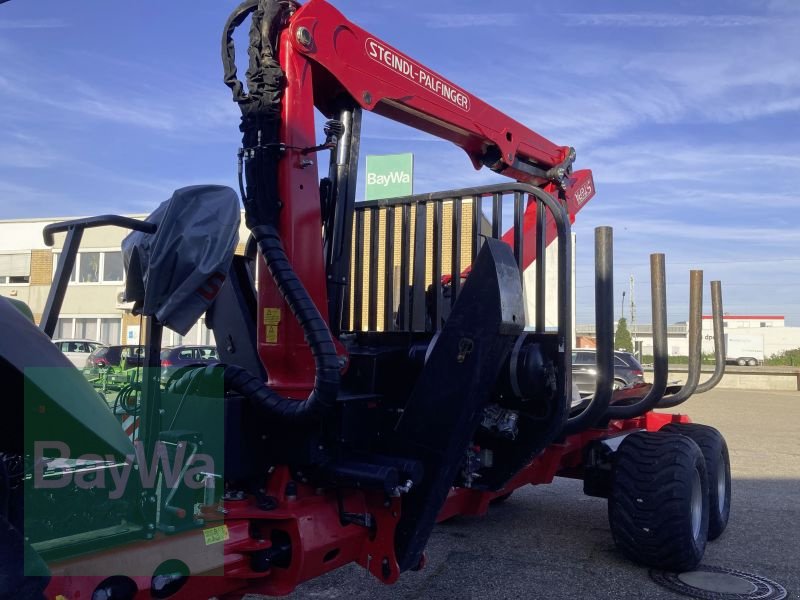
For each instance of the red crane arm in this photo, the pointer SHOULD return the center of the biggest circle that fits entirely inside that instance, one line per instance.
(390, 83)
(324, 56)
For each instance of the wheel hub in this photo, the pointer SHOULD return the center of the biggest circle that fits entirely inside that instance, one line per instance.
(721, 486)
(697, 504)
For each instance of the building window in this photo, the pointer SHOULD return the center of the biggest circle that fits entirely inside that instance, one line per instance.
(86, 329)
(56, 256)
(89, 269)
(171, 338)
(15, 269)
(110, 331)
(192, 337)
(198, 334)
(106, 330)
(11, 279)
(95, 267)
(206, 335)
(763, 323)
(112, 266)
(64, 329)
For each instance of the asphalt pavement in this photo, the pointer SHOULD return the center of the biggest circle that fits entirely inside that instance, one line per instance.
(553, 542)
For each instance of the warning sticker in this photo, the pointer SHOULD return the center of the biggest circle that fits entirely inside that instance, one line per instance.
(215, 535)
(272, 316)
(271, 334)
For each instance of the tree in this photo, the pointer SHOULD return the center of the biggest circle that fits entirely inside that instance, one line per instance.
(789, 358)
(622, 339)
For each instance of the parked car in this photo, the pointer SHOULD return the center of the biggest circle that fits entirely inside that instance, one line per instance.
(124, 357)
(77, 351)
(111, 368)
(628, 372)
(175, 359)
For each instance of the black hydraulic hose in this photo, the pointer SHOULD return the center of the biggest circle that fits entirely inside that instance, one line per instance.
(235, 19)
(263, 397)
(326, 383)
(658, 293)
(316, 331)
(261, 152)
(239, 380)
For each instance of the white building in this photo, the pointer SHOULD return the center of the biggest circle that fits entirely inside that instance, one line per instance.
(776, 337)
(92, 307)
(741, 321)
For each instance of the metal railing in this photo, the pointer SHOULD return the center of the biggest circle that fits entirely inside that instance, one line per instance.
(410, 253)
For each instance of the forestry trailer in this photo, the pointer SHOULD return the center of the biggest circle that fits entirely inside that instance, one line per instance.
(376, 375)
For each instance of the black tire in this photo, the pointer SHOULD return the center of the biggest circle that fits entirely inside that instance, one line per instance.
(718, 466)
(741, 362)
(658, 506)
(752, 362)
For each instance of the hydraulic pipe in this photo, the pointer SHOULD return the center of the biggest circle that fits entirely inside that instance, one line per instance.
(261, 129)
(541, 266)
(719, 340)
(695, 343)
(658, 299)
(604, 317)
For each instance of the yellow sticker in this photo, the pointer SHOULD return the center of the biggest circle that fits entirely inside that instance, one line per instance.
(215, 535)
(272, 316)
(271, 336)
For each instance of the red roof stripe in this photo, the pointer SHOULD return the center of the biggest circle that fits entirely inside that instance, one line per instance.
(749, 317)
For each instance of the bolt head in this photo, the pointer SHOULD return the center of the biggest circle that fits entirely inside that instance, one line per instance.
(303, 36)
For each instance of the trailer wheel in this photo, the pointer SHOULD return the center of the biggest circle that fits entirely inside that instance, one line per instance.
(658, 506)
(752, 362)
(741, 362)
(718, 465)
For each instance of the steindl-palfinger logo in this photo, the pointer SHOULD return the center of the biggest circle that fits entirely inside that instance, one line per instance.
(402, 65)
(89, 471)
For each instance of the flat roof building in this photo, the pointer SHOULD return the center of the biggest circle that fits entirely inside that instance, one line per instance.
(93, 307)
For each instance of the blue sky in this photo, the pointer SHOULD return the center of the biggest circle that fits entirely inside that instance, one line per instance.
(687, 112)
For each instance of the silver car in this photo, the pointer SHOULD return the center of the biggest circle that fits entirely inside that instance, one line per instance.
(77, 351)
(628, 372)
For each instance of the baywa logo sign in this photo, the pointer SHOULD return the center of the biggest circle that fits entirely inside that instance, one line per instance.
(390, 176)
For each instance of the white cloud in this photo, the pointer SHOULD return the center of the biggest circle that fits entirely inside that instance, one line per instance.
(651, 228)
(661, 20)
(119, 110)
(32, 24)
(21, 200)
(660, 161)
(21, 151)
(596, 92)
(195, 111)
(457, 20)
